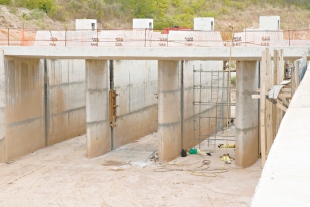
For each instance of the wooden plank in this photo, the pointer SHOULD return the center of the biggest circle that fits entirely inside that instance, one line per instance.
(280, 106)
(283, 96)
(281, 68)
(275, 110)
(262, 109)
(296, 78)
(255, 96)
(286, 90)
(284, 101)
(283, 90)
(281, 76)
(269, 105)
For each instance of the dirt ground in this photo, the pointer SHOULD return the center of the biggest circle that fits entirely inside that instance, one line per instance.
(61, 175)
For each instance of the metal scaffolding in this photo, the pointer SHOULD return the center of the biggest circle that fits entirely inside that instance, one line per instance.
(211, 105)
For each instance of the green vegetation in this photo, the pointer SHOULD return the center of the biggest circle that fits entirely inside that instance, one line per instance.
(233, 80)
(166, 13)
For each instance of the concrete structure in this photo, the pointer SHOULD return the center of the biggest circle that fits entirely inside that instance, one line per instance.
(86, 24)
(204, 23)
(142, 24)
(65, 112)
(285, 178)
(246, 124)
(82, 38)
(97, 110)
(135, 82)
(45, 103)
(25, 62)
(269, 22)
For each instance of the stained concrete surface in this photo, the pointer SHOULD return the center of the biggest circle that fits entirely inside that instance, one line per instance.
(61, 175)
(285, 178)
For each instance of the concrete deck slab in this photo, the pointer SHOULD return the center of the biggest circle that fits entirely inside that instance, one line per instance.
(148, 53)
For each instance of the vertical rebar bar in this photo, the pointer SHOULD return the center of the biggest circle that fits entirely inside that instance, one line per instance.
(199, 134)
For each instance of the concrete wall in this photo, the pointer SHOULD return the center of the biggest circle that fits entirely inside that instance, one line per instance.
(142, 24)
(25, 133)
(176, 111)
(26, 124)
(269, 22)
(209, 98)
(87, 24)
(65, 99)
(136, 84)
(204, 23)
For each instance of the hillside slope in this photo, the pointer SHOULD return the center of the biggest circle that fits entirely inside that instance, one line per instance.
(292, 17)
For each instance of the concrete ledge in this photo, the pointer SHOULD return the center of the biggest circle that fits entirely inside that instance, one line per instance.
(148, 53)
(285, 178)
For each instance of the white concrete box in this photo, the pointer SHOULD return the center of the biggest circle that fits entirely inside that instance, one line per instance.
(142, 24)
(85, 24)
(269, 22)
(204, 23)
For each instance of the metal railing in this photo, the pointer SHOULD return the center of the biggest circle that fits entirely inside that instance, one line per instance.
(152, 38)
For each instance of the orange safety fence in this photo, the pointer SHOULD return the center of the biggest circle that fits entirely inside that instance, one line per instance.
(153, 38)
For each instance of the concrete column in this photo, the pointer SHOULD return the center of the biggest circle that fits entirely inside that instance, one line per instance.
(246, 114)
(3, 154)
(169, 118)
(97, 108)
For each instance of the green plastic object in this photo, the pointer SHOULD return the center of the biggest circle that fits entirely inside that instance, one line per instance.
(192, 151)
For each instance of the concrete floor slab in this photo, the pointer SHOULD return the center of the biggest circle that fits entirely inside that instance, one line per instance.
(61, 175)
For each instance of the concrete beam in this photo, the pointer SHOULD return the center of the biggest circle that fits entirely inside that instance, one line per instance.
(97, 108)
(246, 114)
(3, 153)
(169, 117)
(150, 53)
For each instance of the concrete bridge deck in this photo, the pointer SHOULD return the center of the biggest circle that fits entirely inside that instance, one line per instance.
(143, 53)
(284, 180)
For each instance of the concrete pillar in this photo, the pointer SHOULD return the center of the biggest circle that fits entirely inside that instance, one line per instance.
(3, 155)
(246, 114)
(169, 118)
(97, 108)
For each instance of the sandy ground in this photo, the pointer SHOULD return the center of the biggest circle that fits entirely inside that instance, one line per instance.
(61, 175)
